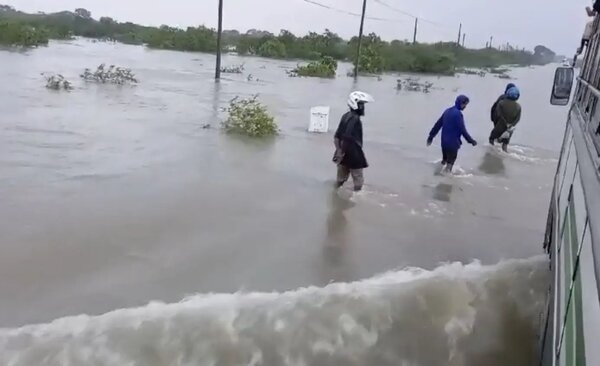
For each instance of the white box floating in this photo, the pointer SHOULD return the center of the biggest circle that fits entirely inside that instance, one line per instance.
(319, 119)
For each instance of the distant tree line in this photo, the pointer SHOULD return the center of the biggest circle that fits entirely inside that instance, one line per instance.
(18, 28)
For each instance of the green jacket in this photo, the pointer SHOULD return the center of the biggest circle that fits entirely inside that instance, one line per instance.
(508, 112)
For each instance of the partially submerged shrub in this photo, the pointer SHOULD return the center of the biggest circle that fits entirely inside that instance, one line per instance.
(112, 75)
(249, 117)
(324, 68)
(497, 70)
(467, 71)
(415, 85)
(57, 82)
(235, 69)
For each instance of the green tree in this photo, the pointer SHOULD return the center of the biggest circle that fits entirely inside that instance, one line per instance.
(15, 34)
(83, 13)
(272, 48)
(377, 55)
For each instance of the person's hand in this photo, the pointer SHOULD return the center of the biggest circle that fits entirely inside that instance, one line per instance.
(338, 156)
(474, 143)
(429, 141)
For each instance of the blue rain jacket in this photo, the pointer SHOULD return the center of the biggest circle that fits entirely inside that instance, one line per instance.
(452, 124)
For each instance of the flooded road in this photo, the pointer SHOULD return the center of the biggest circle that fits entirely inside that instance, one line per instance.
(115, 196)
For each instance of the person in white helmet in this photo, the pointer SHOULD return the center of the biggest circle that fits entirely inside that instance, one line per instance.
(349, 155)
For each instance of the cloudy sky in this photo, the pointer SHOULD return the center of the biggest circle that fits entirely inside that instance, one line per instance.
(525, 23)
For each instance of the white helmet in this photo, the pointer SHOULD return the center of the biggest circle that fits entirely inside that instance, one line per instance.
(358, 97)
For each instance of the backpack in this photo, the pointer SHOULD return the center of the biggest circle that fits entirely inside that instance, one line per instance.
(493, 110)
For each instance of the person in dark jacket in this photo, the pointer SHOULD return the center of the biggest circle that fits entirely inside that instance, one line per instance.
(349, 155)
(453, 128)
(507, 115)
(493, 111)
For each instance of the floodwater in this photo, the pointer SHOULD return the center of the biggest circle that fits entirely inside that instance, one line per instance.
(187, 246)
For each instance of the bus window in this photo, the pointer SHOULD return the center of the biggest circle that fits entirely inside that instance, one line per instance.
(563, 83)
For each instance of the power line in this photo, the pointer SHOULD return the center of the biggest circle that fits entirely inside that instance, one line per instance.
(381, 2)
(351, 13)
(396, 10)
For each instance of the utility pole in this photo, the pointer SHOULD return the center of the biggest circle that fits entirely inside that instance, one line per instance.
(360, 35)
(219, 34)
(459, 34)
(415, 34)
(491, 41)
(464, 36)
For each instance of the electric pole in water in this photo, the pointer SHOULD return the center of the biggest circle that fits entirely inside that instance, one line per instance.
(415, 34)
(219, 33)
(360, 35)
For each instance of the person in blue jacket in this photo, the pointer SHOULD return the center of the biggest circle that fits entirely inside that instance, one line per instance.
(452, 124)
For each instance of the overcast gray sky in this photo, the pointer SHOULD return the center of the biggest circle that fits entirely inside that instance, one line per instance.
(555, 23)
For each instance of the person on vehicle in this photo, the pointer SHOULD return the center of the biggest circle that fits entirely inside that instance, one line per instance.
(508, 114)
(453, 128)
(493, 110)
(349, 155)
(589, 29)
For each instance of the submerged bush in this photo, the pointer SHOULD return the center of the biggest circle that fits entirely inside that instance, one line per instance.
(497, 70)
(235, 69)
(112, 75)
(324, 68)
(249, 117)
(57, 82)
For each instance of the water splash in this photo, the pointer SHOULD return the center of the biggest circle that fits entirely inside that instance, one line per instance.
(454, 315)
(523, 154)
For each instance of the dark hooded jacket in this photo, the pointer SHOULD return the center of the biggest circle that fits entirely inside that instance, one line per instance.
(493, 115)
(508, 112)
(452, 124)
(350, 135)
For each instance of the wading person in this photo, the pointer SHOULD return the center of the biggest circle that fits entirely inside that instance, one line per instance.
(349, 155)
(452, 124)
(495, 105)
(507, 115)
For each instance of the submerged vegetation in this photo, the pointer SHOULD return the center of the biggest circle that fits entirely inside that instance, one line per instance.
(324, 68)
(18, 28)
(57, 82)
(235, 69)
(250, 118)
(112, 75)
(102, 75)
(414, 85)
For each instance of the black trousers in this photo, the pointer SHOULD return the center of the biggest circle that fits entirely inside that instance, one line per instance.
(498, 130)
(449, 156)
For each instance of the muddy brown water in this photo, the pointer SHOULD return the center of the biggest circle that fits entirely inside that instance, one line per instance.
(115, 196)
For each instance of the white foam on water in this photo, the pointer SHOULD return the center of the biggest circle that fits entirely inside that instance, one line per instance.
(371, 196)
(459, 172)
(523, 154)
(521, 149)
(455, 315)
